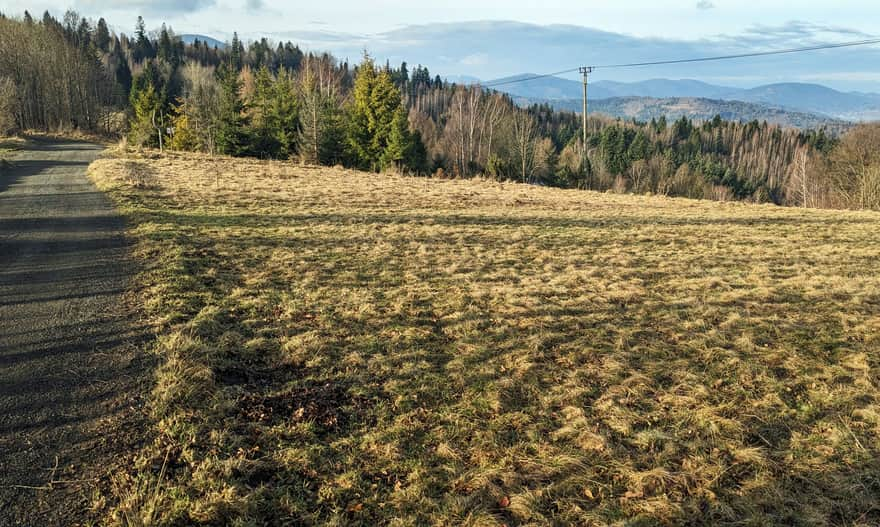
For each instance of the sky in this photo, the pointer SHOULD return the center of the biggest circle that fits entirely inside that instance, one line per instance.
(476, 38)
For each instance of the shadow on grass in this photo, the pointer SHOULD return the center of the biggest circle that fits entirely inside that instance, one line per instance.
(841, 494)
(185, 219)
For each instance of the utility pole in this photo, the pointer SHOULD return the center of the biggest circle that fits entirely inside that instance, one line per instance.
(585, 71)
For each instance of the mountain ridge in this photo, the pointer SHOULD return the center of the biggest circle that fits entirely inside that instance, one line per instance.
(790, 96)
(211, 41)
(699, 109)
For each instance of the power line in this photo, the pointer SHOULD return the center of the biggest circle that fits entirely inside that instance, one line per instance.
(526, 79)
(746, 55)
(692, 60)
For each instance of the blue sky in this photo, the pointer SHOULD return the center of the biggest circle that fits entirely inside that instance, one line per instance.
(451, 43)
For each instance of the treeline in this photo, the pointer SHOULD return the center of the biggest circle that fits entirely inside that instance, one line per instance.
(275, 101)
(52, 75)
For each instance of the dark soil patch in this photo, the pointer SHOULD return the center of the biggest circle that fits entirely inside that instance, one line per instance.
(322, 404)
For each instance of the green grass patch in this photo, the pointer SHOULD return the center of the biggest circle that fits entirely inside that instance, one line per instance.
(342, 348)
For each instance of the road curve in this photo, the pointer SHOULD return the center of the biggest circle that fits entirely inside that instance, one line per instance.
(70, 369)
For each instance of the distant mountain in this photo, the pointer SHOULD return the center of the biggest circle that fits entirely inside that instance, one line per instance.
(700, 109)
(558, 88)
(212, 42)
(461, 79)
(547, 88)
(813, 97)
(797, 97)
(489, 49)
(660, 88)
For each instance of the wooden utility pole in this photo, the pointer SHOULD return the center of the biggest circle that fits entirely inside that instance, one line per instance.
(585, 71)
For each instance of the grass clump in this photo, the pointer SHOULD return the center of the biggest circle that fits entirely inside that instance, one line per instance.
(343, 348)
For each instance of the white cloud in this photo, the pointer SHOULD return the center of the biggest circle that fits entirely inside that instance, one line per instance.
(145, 6)
(477, 59)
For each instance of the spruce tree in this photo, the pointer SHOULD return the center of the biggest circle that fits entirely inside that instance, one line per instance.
(385, 104)
(376, 101)
(275, 111)
(146, 108)
(236, 60)
(231, 123)
(333, 134)
(166, 51)
(143, 48)
(122, 74)
(265, 144)
(417, 156)
(102, 36)
(399, 142)
(284, 114)
(359, 133)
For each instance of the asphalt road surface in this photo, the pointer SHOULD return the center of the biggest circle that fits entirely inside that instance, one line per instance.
(70, 369)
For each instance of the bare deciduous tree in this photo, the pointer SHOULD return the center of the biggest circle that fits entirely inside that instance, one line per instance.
(7, 105)
(854, 168)
(57, 84)
(319, 89)
(201, 100)
(524, 131)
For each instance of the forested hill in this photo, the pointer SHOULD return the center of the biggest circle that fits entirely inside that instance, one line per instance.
(698, 109)
(272, 100)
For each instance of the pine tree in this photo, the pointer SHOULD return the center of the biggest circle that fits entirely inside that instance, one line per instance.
(236, 59)
(146, 108)
(143, 48)
(399, 142)
(639, 148)
(385, 104)
(376, 101)
(184, 138)
(167, 52)
(333, 135)
(284, 114)
(122, 74)
(102, 36)
(275, 111)
(261, 114)
(359, 133)
(231, 124)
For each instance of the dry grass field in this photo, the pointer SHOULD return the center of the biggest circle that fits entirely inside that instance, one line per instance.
(343, 348)
(8, 145)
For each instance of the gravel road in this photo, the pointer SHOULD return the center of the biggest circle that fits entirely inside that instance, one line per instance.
(70, 369)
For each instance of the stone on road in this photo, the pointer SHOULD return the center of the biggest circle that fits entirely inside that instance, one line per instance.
(70, 369)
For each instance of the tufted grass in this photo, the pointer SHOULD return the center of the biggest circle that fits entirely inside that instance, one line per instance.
(343, 348)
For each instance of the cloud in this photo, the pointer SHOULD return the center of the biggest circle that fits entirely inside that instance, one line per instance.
(791, 34)
(476, 59)
(705, 4)
(496, 49)
(146, 6)
(255, 5)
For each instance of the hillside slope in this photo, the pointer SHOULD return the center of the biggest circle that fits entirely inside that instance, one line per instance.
(647, 108)
(345, 348)
(813, 97)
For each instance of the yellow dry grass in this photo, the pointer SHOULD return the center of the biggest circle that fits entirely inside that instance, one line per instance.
(344, 348)
(10, 144)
